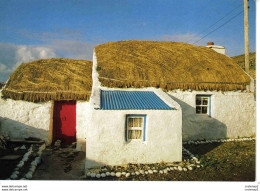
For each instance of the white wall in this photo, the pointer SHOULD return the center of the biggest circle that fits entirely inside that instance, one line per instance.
(106, 145)
(22, 119)
(232, 115)
(83, 118)
(219, 49)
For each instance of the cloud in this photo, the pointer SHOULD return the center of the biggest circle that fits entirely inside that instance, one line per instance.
(72, 49)
(12, 55)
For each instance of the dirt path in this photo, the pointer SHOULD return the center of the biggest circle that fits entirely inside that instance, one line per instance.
(60, 164)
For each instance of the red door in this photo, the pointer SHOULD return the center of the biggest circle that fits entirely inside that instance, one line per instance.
(64, 122)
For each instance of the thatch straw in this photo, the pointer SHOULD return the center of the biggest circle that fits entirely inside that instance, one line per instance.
(168, 65)
(50, 79)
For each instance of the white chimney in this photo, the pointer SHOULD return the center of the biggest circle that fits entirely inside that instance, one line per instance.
(219, 49)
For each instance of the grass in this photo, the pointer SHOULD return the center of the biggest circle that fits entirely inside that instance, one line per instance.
(240, 60)
(231, 161)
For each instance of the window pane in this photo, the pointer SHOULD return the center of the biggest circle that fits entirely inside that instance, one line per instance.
(136, 122)
(205, 101)
(198, 109)
(204, 110)
(198, 101)
(130, 122)
(134, 134)
(140, 122)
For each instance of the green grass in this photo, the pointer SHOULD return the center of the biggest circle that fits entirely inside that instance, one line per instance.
(240, 60)
(231, 161)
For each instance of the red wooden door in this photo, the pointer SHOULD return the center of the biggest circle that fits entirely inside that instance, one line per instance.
(64, 121)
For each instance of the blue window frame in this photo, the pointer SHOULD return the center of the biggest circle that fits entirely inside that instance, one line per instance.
(135, 127)
(203, 104)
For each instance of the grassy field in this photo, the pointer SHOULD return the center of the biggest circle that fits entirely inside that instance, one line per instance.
(240, 60)
(231, 161)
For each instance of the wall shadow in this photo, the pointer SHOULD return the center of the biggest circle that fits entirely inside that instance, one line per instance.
(17, 130)
(200, 127)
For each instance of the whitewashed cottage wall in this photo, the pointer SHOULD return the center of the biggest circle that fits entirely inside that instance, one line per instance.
(232, 115)
(105, 135)
(22, 119)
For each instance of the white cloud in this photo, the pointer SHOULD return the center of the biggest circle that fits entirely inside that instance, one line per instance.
(11, 55)
(72, 49)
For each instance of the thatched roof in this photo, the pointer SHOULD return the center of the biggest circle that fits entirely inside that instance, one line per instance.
(50, 79)
(168, 65)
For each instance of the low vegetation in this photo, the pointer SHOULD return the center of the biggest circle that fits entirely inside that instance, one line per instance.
(231, 161)
(240, 60)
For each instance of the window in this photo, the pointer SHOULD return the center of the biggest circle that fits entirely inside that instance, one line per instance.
(135, 127)
(203, 104)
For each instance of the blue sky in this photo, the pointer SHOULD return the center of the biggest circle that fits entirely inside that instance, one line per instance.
(32, 29)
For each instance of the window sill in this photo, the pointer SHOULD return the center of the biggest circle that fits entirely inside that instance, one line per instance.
(136, 141)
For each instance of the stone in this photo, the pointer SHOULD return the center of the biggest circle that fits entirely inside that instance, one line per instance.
(165, 171)
(137, 173)
(10, 157)
(93, 175)
(190, 168)
(28, 175)
(184, 169)
(179, 168)
(123, 173)
(98, 175)
(132, 173)
(161, 172)
(20, 164)
(175, 168)
(141, 171)
(155, 171)
(127, 174)
(198, 166)
(146, 172)
(150, 171)
(108, 173)
(113, 174)
(13, 176)
(23, 147)
(103, 175)
(118, 174)
(171, 168)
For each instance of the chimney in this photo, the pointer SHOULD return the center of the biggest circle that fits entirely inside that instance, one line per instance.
(219, 49)
(210, 43)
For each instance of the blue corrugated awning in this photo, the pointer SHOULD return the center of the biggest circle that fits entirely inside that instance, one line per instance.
(123, 100)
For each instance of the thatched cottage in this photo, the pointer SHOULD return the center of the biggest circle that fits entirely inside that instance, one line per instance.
(146, 98)
(47, 99)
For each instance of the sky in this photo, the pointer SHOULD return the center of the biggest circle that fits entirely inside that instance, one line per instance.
(34, 29)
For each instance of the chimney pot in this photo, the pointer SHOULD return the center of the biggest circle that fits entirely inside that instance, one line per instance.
(210, 43)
